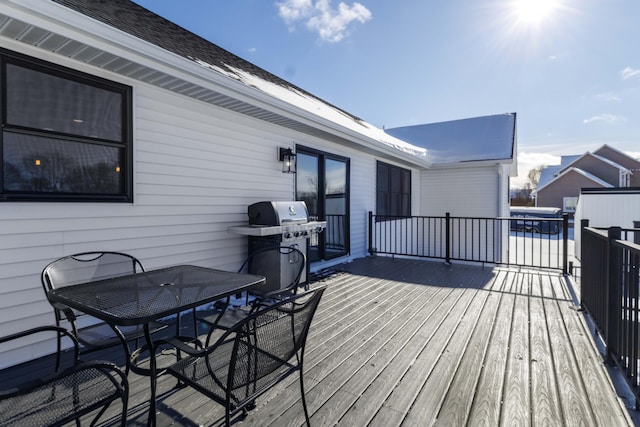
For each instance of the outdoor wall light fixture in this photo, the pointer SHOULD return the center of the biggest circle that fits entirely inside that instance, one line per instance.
(288, 159)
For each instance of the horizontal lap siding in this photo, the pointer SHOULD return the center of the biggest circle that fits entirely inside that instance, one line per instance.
(606, 210)
(463, 192)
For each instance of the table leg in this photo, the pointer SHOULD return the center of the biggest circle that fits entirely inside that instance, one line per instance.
(151, 420)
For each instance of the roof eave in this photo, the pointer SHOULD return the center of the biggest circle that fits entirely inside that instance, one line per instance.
(63, 21)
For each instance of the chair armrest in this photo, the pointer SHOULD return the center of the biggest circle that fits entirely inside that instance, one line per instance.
(39, 329)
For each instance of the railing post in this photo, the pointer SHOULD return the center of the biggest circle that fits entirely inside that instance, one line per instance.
(447, 230)
(565, 242)
(584, 223)
(370, 233)
(614, 296)
(636, 233)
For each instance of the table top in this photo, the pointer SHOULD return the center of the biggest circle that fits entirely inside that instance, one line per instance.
(143, 297)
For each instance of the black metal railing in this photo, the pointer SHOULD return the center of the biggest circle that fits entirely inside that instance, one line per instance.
(609, 293)
(529, 242)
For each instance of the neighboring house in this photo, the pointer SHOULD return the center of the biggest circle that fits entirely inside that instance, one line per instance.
(123, 131)
(611, 207)
(559, 185)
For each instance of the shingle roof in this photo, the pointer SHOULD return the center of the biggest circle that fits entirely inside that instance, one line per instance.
(134, 19)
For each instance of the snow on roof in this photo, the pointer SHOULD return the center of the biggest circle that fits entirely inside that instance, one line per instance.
(134, 19)
(568, 159)
(317, 107)
(548, 174)
(474, 139)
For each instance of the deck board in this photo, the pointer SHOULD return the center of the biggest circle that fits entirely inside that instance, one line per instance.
(408, 342)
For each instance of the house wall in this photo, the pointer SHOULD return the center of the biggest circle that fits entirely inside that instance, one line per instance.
(470, 191)
(606, 209)
(197, 167)
(568, 185)
(597, 167)
(623, 160)
(480, 192)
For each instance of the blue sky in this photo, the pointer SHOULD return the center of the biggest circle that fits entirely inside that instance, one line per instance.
(570, 69)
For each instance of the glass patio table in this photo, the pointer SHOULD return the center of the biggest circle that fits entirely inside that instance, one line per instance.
(138, 299)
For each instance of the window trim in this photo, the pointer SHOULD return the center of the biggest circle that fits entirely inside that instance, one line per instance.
(60, 71)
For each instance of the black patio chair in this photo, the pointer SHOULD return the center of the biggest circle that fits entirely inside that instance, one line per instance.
(282, 266)
(66, 395)
(85, 267)
(253, 355)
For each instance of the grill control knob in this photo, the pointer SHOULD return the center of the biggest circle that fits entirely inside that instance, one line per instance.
(287, 235)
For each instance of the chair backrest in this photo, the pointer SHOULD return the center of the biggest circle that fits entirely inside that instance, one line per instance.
(86, 267)
(265, 343)
(282, 266)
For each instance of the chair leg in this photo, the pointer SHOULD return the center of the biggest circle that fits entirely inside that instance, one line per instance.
(59, 338)
(304, 401)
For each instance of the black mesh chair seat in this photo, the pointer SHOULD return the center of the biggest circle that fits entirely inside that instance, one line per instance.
(63, 396)
(253, 355)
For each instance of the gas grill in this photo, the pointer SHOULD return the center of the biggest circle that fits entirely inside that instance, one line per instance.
(280, 224)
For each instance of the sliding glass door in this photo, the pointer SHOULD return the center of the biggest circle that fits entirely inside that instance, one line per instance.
(322, 182)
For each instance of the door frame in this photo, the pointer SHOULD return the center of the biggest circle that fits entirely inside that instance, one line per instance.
(322, 197)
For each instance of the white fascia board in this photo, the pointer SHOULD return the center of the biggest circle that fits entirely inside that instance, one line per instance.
(474, 164)
(58, 19)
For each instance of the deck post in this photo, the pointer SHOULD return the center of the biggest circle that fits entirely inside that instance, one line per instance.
(636, 232)
(613, 294)
(370, 233)
(447, 230)
(584, 223)
(565, 242)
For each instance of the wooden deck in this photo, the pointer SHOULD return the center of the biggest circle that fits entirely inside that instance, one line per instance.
(416, 343)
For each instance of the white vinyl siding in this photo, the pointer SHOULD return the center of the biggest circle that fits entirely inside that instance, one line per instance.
(463, 192)
(606, 210)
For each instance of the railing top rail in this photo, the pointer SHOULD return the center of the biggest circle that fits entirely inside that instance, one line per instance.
(502, 218)
(621, 229)
(597, 231)
(408, 217)
(625, 244)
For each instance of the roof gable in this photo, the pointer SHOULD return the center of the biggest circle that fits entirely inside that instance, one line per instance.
(619, 157)
(582, 159)
(573, 170)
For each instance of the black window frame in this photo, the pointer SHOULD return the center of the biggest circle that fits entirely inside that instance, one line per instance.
(387, 202)
(125, 144)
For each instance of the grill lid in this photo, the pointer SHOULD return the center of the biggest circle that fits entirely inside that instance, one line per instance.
(278, 213)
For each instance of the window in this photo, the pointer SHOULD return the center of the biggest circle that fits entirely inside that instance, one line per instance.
(393, 196)
(65, 135)
(569, 204)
